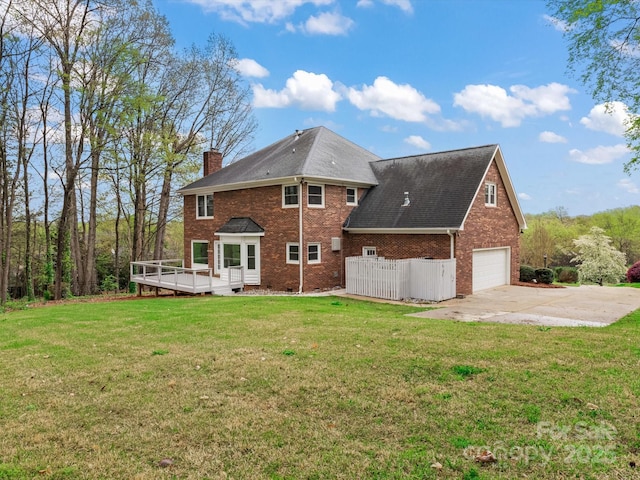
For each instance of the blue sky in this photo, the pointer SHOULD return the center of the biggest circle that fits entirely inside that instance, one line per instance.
(404, 77)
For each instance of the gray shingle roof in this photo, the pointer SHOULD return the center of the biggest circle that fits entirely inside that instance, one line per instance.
(241, 225)
(441, 188)
(317, 152)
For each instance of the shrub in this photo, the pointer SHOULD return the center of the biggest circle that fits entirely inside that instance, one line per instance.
(109, 284)
(633, 274)
(544, 275)
(567, 275)
(527, 273)
(557, 271)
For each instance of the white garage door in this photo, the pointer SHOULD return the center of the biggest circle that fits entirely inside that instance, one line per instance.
(490, 268)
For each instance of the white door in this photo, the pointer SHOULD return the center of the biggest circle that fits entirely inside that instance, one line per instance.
(490, 268)
(240, 250)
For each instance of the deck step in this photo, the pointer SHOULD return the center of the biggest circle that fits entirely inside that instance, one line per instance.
(224, 291)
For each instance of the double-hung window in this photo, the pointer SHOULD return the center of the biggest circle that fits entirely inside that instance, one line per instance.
(352, 196)
(204, 207)
(313, 253)
(490, 194)
(315, 196)
(293, 253)
(289, 196)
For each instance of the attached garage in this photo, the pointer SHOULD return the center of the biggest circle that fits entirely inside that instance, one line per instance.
(490, 268)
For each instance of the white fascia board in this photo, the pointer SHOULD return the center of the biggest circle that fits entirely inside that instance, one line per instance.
(227, 187)
(245, 234)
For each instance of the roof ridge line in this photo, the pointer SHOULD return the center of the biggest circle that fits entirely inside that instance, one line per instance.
(439, 152)
(320, 129)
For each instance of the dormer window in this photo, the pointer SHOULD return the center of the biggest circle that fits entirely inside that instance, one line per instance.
(490, 194)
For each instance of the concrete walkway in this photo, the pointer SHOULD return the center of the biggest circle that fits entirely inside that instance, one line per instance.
(589, 305)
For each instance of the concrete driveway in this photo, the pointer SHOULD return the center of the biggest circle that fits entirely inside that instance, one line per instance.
(590, 305)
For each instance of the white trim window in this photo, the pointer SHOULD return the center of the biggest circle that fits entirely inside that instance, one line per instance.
(369, 252)
(293, 253)
(204, 206)
(199, 253)
(315, 196)
(490, 194)
(313, 253)
(352, 196)
(290, 196)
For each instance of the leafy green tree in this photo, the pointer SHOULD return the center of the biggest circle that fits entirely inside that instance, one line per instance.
(604, 41)
(599, 261)
(623, 226)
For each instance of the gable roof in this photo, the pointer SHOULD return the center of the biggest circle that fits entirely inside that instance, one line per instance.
(318, 154)
(441, 188)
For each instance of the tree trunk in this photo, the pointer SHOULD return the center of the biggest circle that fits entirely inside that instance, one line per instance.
(163, 212)
(63, 267)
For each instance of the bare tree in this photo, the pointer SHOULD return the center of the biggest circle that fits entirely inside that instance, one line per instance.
(208, 99)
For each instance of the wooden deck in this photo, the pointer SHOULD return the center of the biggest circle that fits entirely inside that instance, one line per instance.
(165, 274)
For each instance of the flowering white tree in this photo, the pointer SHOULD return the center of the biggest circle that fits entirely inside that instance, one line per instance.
(598, 260)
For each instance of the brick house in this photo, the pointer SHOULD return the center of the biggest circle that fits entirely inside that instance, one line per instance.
(292, 212)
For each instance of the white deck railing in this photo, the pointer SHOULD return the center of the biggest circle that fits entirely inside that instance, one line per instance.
(166, 274)
(236, 277)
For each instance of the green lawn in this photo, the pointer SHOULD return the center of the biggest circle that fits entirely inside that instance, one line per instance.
(310, 388)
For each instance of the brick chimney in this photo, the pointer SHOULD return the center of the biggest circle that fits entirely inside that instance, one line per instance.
(212, 161)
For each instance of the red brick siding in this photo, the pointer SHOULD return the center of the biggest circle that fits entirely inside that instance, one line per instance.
(487, 227)
(399, 246)
(264, 206)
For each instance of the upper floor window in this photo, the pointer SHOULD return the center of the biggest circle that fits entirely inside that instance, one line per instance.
(315, 195)
(352, 196)
(490, 194)
(204, 207)
(290, 195)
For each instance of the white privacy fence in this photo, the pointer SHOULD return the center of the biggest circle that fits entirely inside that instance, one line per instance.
(431, 280)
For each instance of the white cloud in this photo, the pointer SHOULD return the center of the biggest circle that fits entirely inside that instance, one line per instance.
(401, 102)
(558, 24)
(626, 48)
(404, 5)
(610, 117)
(524, 196)
(510, 109)
(418, 141)
(551, 137)
(248, 67)
(327, 23)
(255, 11)
(307, 90)
(628, 185)
(599, 155)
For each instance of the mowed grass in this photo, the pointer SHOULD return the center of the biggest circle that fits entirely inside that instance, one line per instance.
(310, 388)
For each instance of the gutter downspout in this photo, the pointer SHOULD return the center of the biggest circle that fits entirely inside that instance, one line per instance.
(300, 238)
(452, 243)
